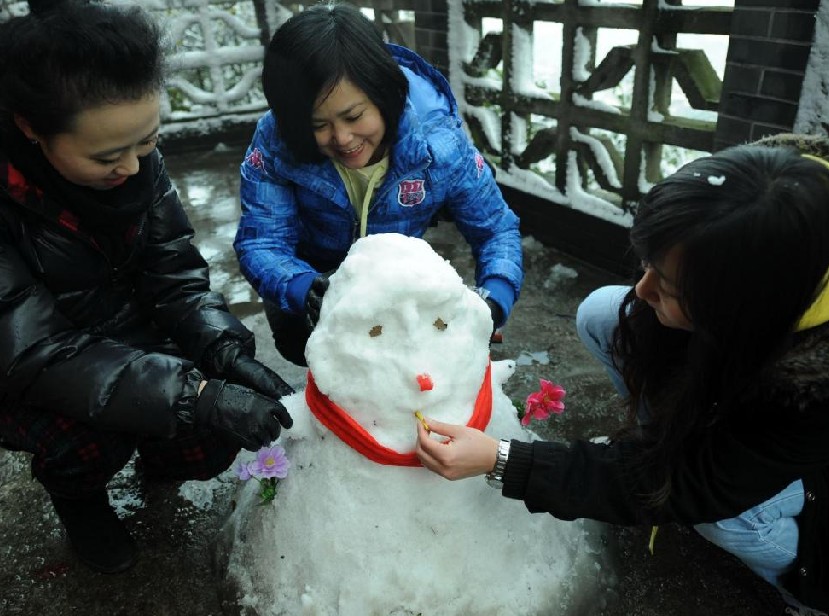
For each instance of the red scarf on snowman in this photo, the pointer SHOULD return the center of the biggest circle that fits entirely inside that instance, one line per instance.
(355, 436)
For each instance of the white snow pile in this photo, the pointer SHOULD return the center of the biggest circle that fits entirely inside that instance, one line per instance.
(349, 536)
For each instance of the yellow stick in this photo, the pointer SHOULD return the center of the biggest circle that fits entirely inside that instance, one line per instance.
(654, 530)
(421, 419)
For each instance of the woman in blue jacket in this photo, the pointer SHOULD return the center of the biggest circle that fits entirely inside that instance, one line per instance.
(362, 138)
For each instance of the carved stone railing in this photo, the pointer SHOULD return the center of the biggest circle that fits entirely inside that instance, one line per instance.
(618, 148)
(215, 65)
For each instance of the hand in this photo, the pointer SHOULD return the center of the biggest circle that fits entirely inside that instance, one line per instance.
(497, 315)
(495, 312)
(467, 452)
(228, 360)
(244, 416)
(257, 376)
(313, 301)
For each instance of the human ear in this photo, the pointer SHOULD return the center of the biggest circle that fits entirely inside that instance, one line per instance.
(26, 128)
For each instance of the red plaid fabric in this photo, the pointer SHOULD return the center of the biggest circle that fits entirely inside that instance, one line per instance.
(72, 458)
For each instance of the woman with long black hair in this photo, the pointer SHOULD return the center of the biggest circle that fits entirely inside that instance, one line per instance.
(721, 351)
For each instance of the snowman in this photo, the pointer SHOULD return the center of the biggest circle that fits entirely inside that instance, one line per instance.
(358, 527)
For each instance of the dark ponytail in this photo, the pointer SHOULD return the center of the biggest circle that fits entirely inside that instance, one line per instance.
(44, 7)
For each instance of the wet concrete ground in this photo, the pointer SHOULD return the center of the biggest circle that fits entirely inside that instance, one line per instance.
(177, 526)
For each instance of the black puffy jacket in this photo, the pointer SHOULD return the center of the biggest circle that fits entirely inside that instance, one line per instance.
(84, 336)
(777, 434)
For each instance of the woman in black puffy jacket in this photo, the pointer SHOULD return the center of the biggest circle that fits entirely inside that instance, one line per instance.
(721, 352)
(111, 341)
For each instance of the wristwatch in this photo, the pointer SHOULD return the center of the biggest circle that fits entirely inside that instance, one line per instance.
(495, 477)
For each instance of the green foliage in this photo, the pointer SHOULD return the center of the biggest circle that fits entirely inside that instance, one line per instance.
(268, 488)
(519, 408)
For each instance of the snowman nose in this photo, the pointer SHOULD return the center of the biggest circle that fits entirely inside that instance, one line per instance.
(424, 381)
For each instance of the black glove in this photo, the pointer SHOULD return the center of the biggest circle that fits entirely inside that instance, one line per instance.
(240, 414)
(313, 301)
(496, 313)
(256, 375)
(229, 361)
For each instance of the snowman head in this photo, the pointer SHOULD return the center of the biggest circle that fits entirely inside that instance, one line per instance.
(398, 332)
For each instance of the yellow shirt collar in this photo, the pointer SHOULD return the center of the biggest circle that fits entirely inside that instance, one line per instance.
(360, 185)
(818, 312)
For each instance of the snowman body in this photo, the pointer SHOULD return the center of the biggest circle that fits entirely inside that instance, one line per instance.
(400, 332)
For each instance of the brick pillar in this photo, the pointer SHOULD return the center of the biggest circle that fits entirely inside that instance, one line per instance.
(767, 55)
(431, 27)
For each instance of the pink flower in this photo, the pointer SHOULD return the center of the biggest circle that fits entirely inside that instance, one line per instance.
(541, 404)
(270, 462)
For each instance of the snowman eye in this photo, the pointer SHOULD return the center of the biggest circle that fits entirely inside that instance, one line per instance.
(440, 324)
(375, 331)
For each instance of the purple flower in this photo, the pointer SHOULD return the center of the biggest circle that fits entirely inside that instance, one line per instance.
(270, 462)
(242, 470)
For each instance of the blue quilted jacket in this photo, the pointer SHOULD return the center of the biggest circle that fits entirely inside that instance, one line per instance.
(297, 219)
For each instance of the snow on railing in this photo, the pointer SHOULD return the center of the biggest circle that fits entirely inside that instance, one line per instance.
(587, 103)
(217, 56)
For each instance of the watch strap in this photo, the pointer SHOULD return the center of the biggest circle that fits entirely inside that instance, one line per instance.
(495, 477)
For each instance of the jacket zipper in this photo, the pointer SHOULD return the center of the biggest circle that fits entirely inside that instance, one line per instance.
(355, 223)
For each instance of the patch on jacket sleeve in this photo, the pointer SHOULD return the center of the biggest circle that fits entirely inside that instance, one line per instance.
(255, 159)
(479, 163)
(411, 192)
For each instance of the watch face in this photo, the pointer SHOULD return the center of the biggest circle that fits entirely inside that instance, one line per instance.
(494, 482)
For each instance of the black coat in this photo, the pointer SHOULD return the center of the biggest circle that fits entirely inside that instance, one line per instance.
(86, 326)
(779, 435)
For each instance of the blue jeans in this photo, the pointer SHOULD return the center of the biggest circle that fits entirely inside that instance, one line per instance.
(765, 536)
